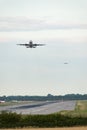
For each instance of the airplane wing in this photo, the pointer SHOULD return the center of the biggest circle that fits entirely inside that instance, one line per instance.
(38, 44)
(22, 44)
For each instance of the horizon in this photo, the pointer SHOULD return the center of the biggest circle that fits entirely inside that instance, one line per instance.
(45, 95)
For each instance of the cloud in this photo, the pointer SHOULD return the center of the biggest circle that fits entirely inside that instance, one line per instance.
(30, 24)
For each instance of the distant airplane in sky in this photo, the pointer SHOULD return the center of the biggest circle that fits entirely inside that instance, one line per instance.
(65, 62)
(31, 45)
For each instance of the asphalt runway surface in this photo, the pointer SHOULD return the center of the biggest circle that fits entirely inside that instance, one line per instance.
(46, 107)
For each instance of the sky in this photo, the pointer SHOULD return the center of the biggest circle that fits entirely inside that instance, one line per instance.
(62, 26)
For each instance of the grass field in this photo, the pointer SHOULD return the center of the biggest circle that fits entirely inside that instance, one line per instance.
(80, 109)
(14, 103)
(66, 128)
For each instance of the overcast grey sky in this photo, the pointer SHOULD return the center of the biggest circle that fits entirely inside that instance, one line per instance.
(62, 26)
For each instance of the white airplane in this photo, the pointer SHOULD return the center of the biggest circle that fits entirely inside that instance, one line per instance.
(31, 45)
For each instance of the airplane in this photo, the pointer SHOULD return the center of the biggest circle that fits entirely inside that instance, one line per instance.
(31, 45)
(65, 62)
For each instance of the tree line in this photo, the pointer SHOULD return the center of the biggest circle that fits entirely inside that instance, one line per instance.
(45, 98)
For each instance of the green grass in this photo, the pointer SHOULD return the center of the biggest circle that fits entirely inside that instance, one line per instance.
(80, 110)
(7, 103)
(13, 120)
(14, 103)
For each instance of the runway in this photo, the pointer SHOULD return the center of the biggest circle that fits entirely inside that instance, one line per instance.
(46, 107)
